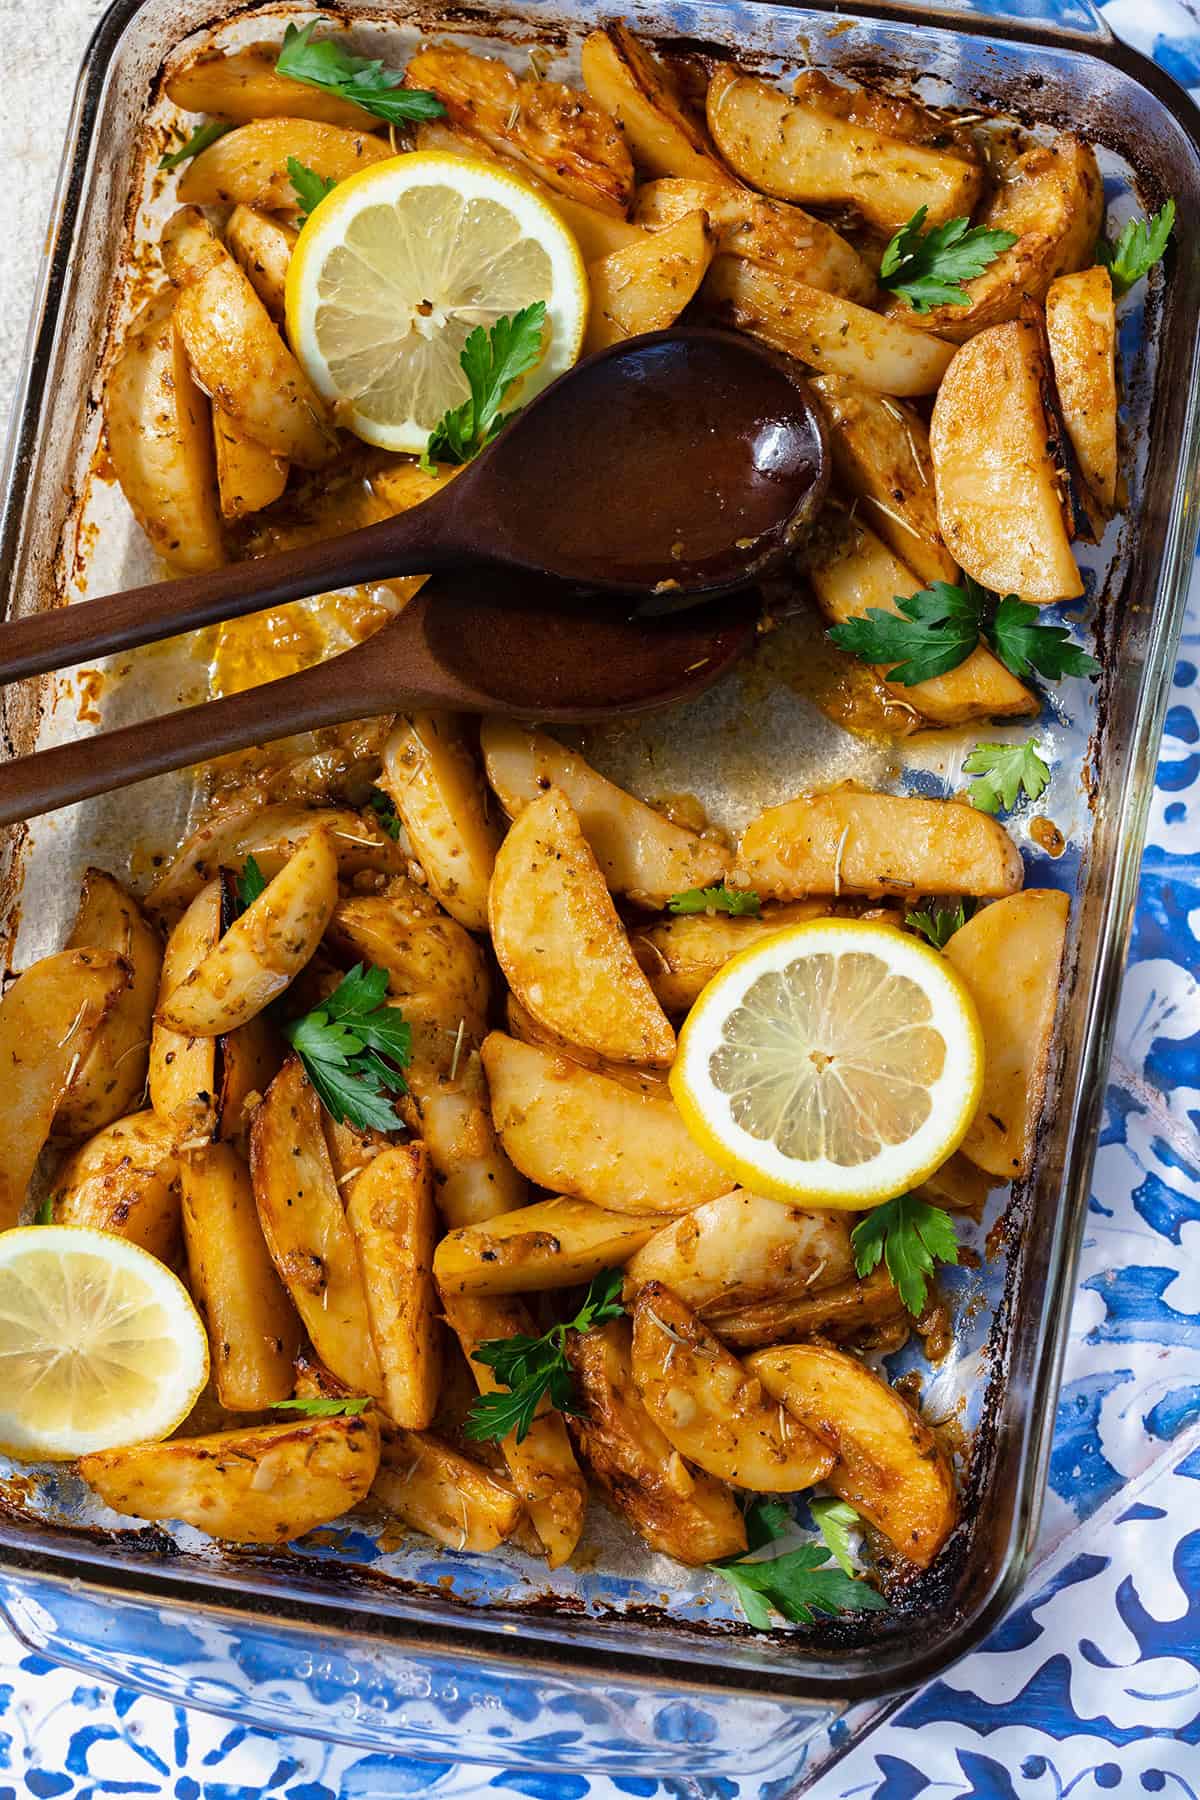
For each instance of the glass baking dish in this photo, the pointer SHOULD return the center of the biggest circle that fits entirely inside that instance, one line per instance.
(627, 1664)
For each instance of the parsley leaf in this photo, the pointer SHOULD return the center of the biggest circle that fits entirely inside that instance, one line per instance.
(533, 1367)
(250, 883)
(911, 1236)
(353, 1047)
(936, 630)
(386, 817)
(835, 1520)
(928, 268)
(939, 923)
(309, 187)
(1139, 247)
(201, 138)
(798, 1584)
(737, 902)
(323, 1408)
(766, 1520)
(1027, 648)
(491, 361)
(325, 65)
(45, 1212)
(1003, 770)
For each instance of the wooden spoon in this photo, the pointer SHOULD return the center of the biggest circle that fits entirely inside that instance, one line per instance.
(673, 467)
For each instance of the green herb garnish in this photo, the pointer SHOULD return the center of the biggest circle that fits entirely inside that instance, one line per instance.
(201, 138)
(1139, 247)
(1028, 648)
(939, 923)
(798, 1583)
(324, 64)
(530, 1367)
(928, 268)
(309, 187)
(250, 883)
(910, 1236)
(45, 1212)
(386, 816)
(835, 1520)
(353, 1047)
(491, 361)
(322, 1408)
(1003, 770)
(739, 903)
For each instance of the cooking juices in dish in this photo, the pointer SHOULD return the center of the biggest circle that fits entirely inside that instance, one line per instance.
(640, 1201)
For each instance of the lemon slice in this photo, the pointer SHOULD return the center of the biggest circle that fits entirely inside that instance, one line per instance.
(398, 265)
(837, 1062)
(100, 1345)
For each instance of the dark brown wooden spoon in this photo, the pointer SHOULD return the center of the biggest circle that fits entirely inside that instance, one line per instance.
(673, 467)
(484, 641)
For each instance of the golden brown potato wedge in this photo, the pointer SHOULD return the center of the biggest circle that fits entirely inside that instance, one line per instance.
(350, 1151)
(234, 347)
(49, 1018)
(853, 571)
(881, 455)
(560, 944)
(249, 166)
(264, 950)
(999, 491)
(681, 955)
(1081, 325)
(1052, 197)
(244, 84)
(583, 1135)
(632, 85)
(828, 333)
(959, 1185)
(390, 1212)
(249, 476)
(111, 1079)
(157, 424)
(646, 286)
(125, 1180)
(740, 1249)
(263, 246)
(551, 1244)
(680, 1512)
(889, 1467)
(779, 237)
(184, 1070)
(441, 1492)
(796, 148)
(304, 1223)
(705, 1404)
(248, 1061)
(886, 113)
(544, 1472)
(434, 781)
(447, 1105)
(1010, 956)
(841, 1311)
(262, 1484)
(253, 1331)
(567, 140)
(527, 1030)
(436, 971)
(849, 842)
(642, 854)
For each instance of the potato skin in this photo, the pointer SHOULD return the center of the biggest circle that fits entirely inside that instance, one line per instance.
(125, 1180)
(1081, 325)
(391, 1216)
(111, 1079)
(834, 1312)
(680, 1512)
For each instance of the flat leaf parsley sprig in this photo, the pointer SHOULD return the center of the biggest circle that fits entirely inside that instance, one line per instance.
(939, 923)
(491, 361)
(309, 187)
(1002, 771)
(910, 1236)
(200, 139)
(353, 1047)
(530, 1367)
(324, 64)
(739, 903)
(798, 1583)
(1141, 244)
(928, 268)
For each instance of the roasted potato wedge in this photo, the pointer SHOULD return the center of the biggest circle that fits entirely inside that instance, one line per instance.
(999, 491)
(234, 347)
(245, 84)
(680, 1512)
(263, 950)
(551, 1244)
(249, 477)
(1052, 197)
(253, 1331)
(350, 1151)
(249, 166)
(436, 970)
(263, 246)
(441, 1492)
(572, 144)
(184, 1069)
(959, 1185)
(632, 85)
(527, 1030)
(740, 1249)
(125, 1180)
(849, 842)
(681, 955)
(262, 1484)
(642, 854)
(1010, 956)
(158, 427)
(761, 231)
(560, 944)
(881, 455)
(1081, 326)
(435, 784)
(111, 1079)
(447, 1105)
(831, 335)
(543, 1468)
(391, 1216)
(49, 1018)
(710, 1410)
(303, 1221)
(646, 286)
(248, 1061)
(853, 571)
(838, 1312)
(889, 1467)
(591, 1138)
(796, 148)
